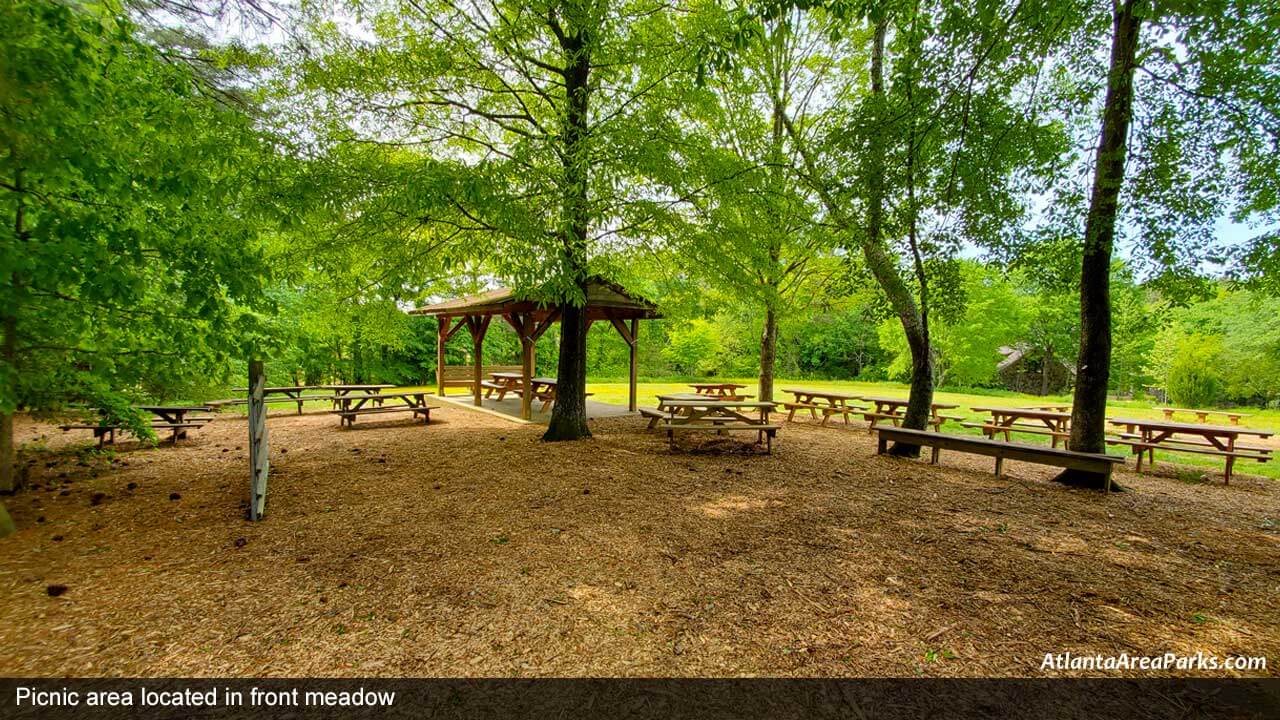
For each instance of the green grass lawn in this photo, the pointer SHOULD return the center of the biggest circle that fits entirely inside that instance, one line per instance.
(616, 393)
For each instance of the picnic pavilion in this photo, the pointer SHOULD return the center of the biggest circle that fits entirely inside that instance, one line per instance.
(530, 318)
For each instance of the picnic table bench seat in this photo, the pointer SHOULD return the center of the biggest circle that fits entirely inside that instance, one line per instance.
(934, 420)
(654, 416)
(766, 432)
(1038, 454)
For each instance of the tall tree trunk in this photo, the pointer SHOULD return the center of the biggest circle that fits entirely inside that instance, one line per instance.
(6, 523)
(882, 266)
(920, 400)
(1045, 362)
(1093, 367)
(9, 352)
(569, 415)
(768, 353)
(876, 254)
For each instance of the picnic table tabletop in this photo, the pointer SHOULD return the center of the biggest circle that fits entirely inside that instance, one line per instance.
(1172, 427)
(1060, 407)
(276, 389)
(709, 413)
(1005, 420)
(171, 408)
(824, 394)
(1023, 412)
(372, 388)
(356, 401)
(700, 402)
(718, 386)
(506, 375)
(682, 396)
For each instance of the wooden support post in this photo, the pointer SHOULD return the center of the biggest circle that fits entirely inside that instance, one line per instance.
(442, 334)
(635, 337)
(478, 326)
(258, 449)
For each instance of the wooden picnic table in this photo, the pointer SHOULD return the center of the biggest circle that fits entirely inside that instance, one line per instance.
(701, 413)
(170, 417)
(1145, 435)
(827, 401)
(352, 405)
(503, 383)
(176, 414)
(289, 392)
(892, 409)
(727, 391)
(1057, 407)
(1202, 416)
(1008, 420)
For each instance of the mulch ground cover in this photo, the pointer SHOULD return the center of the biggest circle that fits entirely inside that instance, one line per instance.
(470, 548)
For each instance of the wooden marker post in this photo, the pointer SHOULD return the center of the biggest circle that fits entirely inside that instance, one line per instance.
(258, 452)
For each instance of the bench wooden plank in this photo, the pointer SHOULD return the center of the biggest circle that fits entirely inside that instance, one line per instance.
(766, 431)
(1001, 451)
(726, 425)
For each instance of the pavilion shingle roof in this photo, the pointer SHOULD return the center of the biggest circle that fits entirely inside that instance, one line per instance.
(604, 299)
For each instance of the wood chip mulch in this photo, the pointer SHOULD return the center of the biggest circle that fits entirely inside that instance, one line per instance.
(470, 548)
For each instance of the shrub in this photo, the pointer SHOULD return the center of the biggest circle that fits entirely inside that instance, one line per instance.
(1194, 379)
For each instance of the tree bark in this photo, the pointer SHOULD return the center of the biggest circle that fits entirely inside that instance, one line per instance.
(1044, 371)
(1093, 366)
(569, 415)
(9, 353)
(876, 253)
(768, 354)
(920, 399)
(6, 523)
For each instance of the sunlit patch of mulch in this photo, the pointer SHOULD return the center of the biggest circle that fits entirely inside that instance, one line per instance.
(471, 548)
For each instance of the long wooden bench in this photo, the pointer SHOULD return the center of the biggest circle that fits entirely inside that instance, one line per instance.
(464, 375)
(1001, 451)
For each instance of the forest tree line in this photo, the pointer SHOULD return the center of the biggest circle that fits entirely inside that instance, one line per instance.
(1219, 348)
